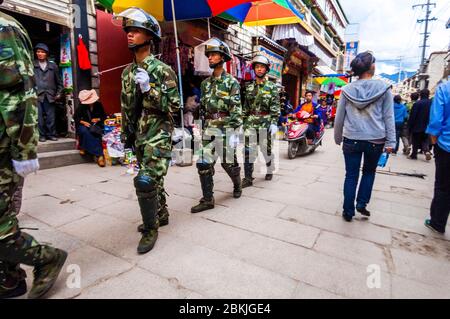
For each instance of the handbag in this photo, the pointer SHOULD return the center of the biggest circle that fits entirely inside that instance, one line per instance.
(95, 129)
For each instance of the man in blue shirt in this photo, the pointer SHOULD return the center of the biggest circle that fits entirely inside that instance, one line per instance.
(439, 131)
(401, 115)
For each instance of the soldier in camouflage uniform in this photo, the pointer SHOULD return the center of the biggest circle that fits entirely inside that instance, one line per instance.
(18, 143)
(261, 109)
(149, 97)
(222, 112)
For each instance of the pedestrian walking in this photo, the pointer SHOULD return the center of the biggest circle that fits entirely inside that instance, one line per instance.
(365, 124)
(439, 131)
(417, 124)
(149, 98)
(49, 89)
(401, 115)
(222, 111)
(261, 110)
(18, 158)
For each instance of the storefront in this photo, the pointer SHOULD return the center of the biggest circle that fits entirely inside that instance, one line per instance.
(49, 22)
(296, 72)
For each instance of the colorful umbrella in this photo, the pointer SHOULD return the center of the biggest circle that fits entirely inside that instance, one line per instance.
(328, 80)
(264, 12)
(185, 9)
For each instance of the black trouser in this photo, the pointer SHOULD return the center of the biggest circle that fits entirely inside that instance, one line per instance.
(401, 131)
(440, 207)
(46, 119)
(420, 141)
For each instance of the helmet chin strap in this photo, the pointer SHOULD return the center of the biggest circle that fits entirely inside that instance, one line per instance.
(261, 76)
(215, 65)
(136, 47)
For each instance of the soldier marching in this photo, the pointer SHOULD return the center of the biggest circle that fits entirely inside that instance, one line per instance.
(149, 98)
(261, 113)
(18, 158)
(222, 109)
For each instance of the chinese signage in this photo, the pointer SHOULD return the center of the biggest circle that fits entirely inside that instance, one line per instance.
(276, 61)
(351, 51)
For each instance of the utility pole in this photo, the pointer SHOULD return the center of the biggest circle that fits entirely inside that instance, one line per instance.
(400, 69)
(422, 72)
(427, 20)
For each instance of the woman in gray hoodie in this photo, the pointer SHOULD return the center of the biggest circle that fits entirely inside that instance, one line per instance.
(365, 124)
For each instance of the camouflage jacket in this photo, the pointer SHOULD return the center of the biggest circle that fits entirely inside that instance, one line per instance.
(18, 108)
(158, 104)
(261, 98)
(221, 95)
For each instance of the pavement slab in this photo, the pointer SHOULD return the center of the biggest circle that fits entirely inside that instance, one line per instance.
(282, 239)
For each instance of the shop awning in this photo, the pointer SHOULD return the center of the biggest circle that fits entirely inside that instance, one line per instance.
(292, 31)
(264, 12)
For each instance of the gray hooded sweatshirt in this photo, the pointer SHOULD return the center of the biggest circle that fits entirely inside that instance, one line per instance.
(366, 113)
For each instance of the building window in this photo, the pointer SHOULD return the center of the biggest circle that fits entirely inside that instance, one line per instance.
(335, 47)
(334, 64)
(316, 24)
(328, 38)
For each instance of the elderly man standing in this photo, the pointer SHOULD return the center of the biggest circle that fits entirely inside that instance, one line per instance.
(49, 88)
(439, 131)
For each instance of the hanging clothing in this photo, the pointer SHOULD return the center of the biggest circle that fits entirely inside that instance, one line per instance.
(201, 63)
(83, 55)
(248, 73)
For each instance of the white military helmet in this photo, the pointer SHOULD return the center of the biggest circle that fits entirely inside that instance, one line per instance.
(137, 18)
(216, 45)
(261, 59)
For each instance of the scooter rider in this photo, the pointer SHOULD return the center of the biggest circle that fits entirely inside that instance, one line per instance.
(310, 107)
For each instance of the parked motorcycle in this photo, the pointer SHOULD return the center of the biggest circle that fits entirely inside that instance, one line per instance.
(296, 136)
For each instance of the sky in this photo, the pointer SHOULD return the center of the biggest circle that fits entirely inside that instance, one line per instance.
(389, 29)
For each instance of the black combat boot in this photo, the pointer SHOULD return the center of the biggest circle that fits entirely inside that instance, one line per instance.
(148, 203)
(45, 275)
(22, 248)
(163, 211)
(12, 281)
(248, 179)
(207, 202)
(163, 215)
(18, 290)
(269, 175)
(235, 175)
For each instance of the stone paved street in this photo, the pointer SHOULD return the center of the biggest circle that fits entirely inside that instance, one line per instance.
(282, 239)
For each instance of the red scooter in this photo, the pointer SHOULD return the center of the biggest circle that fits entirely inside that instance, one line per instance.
(296, 136)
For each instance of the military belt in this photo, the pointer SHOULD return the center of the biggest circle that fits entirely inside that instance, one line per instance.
(217, 116)
(154, 112)
(259, 113)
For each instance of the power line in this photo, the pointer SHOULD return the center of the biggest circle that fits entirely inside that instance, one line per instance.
(427, 20)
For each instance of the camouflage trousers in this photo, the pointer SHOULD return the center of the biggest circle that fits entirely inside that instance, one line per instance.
(258, 138)
(16, 247)
(154, 162)
(215, 146)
